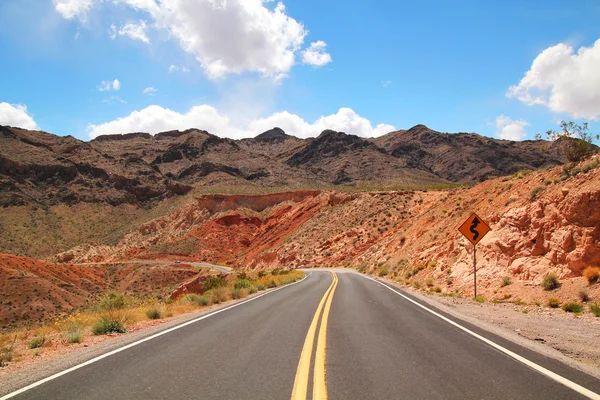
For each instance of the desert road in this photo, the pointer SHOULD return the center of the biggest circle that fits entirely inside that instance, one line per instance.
(333, 335)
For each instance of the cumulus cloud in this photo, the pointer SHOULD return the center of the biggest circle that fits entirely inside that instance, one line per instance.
(149, 91)
(106, 86)
(563, 80)
(16, 115)
(509, 129)
(316, 54)
(154, 119)
(70, 9)
(225, 36)
(134, 31)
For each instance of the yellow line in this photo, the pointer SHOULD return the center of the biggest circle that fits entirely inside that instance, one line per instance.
(319, 382)
(301, 382)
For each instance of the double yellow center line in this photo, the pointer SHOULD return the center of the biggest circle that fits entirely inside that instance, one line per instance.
(300, 390)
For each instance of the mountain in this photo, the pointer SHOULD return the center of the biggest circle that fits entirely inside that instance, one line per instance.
(467, 157)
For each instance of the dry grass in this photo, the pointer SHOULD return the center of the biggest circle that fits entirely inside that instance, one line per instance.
(592, 274)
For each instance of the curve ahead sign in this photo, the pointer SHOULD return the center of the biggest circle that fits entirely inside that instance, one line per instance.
(474, 229)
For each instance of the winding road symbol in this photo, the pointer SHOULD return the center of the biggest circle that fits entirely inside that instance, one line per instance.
(474, 229)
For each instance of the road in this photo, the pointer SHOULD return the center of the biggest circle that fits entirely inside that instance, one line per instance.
(218, 268)
(336, 336)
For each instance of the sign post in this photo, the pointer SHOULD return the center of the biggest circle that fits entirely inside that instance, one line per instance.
(474, 229)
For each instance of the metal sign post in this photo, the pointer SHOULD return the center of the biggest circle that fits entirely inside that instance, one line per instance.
(474, 229)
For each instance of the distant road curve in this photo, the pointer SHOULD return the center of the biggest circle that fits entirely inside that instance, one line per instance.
(218, 268)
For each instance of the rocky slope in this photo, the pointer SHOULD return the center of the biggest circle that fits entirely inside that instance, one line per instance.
(541, 222)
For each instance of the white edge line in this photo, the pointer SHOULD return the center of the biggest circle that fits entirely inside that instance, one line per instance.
(120, 349)
(570, 384)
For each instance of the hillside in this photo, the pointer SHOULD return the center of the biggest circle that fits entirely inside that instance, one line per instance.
(541, 222)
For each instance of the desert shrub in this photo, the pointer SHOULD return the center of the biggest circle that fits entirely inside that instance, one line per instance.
(271, 284)
(432, 264)
(437, 289)
(505, 281)
(7, 344)
(220, 295)
(383, 271)
(242, 275)
(260, 287)
(551, 282)
(253, 290)
(74, 336)
(113, 321)
(592, 274)
(242, 283)
(191, 298)
(213, 282)
(112, 301)
(480, 299)
(429, 282)
(36, 342)
(595, 309)
(104, 327)
(535, 192)
(573, 307)
(584, 295)
(553, 302)
(155, 312)
(235, 294)
(519, 302)
(262, 274)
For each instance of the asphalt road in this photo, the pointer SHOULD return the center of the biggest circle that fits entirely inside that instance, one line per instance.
(379, 345)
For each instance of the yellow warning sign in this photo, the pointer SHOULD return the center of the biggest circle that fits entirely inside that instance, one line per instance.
(474, 229)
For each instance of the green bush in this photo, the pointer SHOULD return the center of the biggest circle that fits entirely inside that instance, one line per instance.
(505, 281)
(155, 313)
(432, 264)
(480, 299)
(106, 326)
(383, 271)
(242, 275)
(36, 342)
(242, 283)
(195, 298)
(112, 301)
(260, 288)
(595, 309)
(74, 336)
(272, 284)
(573, 307)
(553, 302)
(213, 282)
(262, 274)
(551, 282)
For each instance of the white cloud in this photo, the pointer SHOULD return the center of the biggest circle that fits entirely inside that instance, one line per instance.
(135, 31)
(509, 129)
(107, 86)
(70, 9)
(149, 91)
(225, 36)
(386, 83)
(154, 119)
(16, 115)
(112, 32)
(316, 54)
(175, 68)
(564, 81)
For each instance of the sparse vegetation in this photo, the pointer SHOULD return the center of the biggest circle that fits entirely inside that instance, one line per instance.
(584, 296)
(112, 301)
(155, 312)
(383, 271)
(573, 307)
(213, 282)
(480, 299)
(105, 326)
(7, 345)
(576, 140)
(551, 282)
(36, 342)
(595, 309)
(536, 191)
(592, 274)
(505, 281)
(553, 302)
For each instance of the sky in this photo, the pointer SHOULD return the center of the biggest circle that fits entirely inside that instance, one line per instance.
(505, 69)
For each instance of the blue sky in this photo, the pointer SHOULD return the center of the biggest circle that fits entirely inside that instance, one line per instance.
(239, 67)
